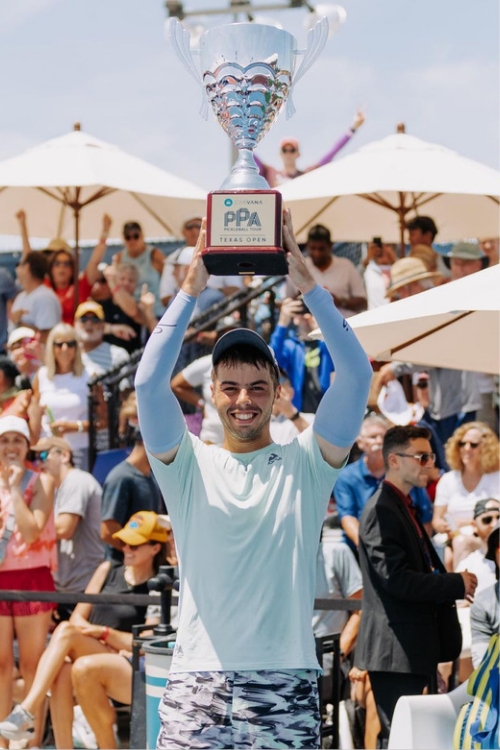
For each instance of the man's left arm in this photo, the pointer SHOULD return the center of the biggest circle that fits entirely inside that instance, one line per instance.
(342, 408)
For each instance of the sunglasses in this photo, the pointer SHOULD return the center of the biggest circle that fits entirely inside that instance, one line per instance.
(422, 458)
(132, 236)
(65, 263)
(195, 225)
(136, 546)
(90, 319)
(69, 344)
(488, 519)
(19, 344)
(289, 150)
(464, 443)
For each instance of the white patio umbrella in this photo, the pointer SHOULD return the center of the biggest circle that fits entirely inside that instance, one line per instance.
(377, 189)
(65, 185)
(456, 325)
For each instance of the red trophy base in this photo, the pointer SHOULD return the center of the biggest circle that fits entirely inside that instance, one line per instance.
(244, 233)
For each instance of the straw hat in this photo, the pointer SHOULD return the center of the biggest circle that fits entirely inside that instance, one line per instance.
(408, 270)
(58, 244)
(426, 254)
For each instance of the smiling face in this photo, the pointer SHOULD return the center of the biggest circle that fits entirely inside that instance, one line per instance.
(140, 556)
(90, 329)
(244, 396)
(65, 353)
(470, 448)
(13, 449)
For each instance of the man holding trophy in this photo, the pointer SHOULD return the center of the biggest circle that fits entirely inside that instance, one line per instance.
(247, 516)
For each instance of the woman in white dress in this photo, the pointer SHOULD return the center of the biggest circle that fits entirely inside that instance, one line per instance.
(473, 454)
(60, 388)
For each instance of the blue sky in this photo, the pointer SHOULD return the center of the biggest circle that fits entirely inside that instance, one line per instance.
(433, 64)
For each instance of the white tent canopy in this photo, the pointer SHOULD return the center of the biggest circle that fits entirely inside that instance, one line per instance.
(455, 325)
(375, 190)
(78, 177)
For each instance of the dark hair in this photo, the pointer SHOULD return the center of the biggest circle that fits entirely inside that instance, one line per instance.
(246, 355)
(424, 223)
(399, 438)
(131, 225)
(319, 233)
(39, 266)
(161, 556)
(8, 368)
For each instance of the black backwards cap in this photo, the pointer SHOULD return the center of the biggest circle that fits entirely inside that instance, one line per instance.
(482, 506)
(244, 337)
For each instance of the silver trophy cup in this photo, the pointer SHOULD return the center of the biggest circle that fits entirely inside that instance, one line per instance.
(247, 72)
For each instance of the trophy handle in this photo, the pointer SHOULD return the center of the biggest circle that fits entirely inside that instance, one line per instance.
(179, 38)
(316, 40)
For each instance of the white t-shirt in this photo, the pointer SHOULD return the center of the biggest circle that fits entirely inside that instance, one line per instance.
(199, 373)
(481, 567)
(341, 278)
(283, 430)
(451, 492)
(43, 309)
(67, 397)
(246, 528)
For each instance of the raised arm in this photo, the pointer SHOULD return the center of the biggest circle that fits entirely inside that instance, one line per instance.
(99, 251)
(21, 217)
(327, 158)
(160, 417)
(342, 408)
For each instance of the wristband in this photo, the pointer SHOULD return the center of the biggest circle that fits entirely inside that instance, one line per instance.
(79, 425)
(105, 634)
(294, 417)
(104, 236)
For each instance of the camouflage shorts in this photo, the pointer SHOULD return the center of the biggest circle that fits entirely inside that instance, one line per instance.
(263, 709)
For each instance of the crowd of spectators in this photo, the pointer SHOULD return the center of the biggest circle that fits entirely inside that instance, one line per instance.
(58, 332)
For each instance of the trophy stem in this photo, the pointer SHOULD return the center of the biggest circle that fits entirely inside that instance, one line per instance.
(245, 174)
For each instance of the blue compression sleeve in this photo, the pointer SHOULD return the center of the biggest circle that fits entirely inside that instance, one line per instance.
(161, 420)
(342, 408)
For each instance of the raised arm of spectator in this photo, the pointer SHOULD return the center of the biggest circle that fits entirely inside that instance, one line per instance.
(23, 228)
(160, 416)
(327, 158)
(91, 270)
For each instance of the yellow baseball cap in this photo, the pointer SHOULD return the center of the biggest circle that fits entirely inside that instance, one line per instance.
(142, 527)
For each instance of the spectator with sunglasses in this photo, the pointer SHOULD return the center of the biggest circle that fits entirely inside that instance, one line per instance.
(290, 152)
(148, 260)
(404, 580)
(60, 391)
(486, 517)
(61, 271)
(472, 453)
(77, 518)
(24, 350)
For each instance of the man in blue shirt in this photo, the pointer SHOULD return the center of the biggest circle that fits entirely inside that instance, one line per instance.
(306, 362)
(361, 479)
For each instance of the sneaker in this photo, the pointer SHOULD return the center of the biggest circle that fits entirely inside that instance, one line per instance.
(19, 725)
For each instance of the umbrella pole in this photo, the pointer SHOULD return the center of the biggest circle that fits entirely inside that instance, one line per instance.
(76, 213)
